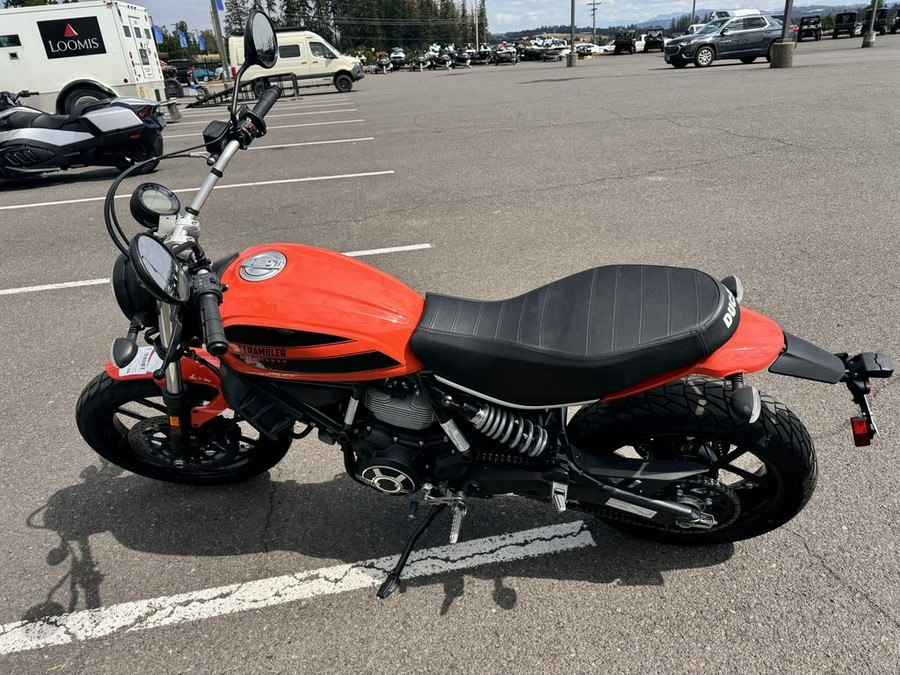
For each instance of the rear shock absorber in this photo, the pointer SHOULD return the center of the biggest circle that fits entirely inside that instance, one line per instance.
(504, 426)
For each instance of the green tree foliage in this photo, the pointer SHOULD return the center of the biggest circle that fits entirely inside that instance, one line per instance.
(235, 16)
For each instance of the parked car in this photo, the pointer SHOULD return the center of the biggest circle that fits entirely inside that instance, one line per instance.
(895, 24)
(587, 49)
(609, 47)
(624, 43)
(810, 26)
(745, 38)
(654, 39)
(845, 23)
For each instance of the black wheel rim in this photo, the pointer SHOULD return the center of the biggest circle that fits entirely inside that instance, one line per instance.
(222, 446)
(735, 473)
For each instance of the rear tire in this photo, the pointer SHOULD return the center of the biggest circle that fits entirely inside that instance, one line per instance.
(106, 404)
(140, 151)
(81, 95)
(692, 419)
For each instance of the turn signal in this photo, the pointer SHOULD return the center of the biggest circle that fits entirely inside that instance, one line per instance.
(860, 428)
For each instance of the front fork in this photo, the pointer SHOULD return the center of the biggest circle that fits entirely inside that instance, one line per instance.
(175, 394)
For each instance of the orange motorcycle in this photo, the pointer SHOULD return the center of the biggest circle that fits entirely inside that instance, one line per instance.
(448, 399)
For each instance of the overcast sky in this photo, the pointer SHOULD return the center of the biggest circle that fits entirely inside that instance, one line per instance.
(503, 15)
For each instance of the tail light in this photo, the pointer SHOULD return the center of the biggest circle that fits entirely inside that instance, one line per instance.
(143, 112)
(862, 435)
(233, 72)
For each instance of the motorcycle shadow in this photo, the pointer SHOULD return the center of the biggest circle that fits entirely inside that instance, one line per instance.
(335, 520)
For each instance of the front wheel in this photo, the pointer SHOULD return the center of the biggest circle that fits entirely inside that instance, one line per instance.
(343, 83)
(125, 422)
(760, 475)
(704, 57)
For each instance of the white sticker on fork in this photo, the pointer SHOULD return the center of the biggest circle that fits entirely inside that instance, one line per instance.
(145, 362)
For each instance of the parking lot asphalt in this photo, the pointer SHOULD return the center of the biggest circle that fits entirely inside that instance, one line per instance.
(514, 175)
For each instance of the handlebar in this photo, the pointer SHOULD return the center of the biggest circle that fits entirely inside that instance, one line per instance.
(265, 103)
(207, 293)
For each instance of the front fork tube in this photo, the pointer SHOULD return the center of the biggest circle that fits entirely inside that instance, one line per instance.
(175, 394)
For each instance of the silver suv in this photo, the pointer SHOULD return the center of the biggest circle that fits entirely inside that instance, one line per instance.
(742, 37)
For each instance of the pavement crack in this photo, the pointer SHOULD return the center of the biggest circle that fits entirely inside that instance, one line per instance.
(730, 132)
(267, 527)
(818, 557)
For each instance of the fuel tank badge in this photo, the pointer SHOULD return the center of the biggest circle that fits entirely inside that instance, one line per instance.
(263, 266)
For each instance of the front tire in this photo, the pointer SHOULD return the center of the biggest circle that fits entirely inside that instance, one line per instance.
(224, 452)
(704, 57)
(343, 83)
(768, 468)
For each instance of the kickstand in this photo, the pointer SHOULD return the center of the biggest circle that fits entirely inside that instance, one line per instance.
(393, 578)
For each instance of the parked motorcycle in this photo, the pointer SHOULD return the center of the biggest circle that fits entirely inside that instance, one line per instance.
(418, 63)
(383, 64)
(449, 399)
(398, 58)
(113, 132)
(439, 57)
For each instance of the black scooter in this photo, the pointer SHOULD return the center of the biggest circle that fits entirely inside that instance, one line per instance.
(115, 132)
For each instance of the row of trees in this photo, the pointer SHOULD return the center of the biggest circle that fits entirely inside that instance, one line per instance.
(363, 24)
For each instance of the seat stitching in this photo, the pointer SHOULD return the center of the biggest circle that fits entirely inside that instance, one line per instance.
(615, 305)
(587, 332)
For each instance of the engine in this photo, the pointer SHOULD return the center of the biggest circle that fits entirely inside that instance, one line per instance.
(404, 447)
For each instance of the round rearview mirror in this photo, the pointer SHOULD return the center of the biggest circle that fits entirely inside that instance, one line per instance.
(158, 269)
(260, 43)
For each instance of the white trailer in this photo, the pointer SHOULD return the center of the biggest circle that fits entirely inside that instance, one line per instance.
(79, 52)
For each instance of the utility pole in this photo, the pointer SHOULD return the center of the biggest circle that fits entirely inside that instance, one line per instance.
(594, 5)
(573, 57)
(476, 17)
(220, 43)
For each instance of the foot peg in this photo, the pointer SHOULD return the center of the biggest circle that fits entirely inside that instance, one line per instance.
(558, 494)
(459, 512)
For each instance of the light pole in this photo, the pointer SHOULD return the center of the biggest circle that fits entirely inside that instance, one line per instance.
(594, 5)
(573, 57)
(869, 31)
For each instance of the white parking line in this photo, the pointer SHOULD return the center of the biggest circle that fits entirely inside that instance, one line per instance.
(283, 126)
(293, 114)
(194, 189)
(222, 112)
(195, 606)
(97, 282)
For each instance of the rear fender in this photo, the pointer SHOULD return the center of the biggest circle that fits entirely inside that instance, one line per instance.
(756, 343)
(147, 362)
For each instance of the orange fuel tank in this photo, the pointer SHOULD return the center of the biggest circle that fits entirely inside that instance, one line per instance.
(301, 313)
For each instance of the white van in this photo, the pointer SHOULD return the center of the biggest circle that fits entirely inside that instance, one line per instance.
(308, 56)
(79, 52)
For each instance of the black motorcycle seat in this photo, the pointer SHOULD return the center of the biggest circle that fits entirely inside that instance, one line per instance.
(577, 339)
(48, 121)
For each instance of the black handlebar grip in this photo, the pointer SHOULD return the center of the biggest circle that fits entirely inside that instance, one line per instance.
(213, 332)
(265, 103)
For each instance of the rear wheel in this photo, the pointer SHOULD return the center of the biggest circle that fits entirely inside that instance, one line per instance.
(761, 474)
(704, 57)
(138, 152)
(80, 96)
(126, 423)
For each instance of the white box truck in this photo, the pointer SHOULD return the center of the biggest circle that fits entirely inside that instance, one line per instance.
(307, 56)
(79, 51)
